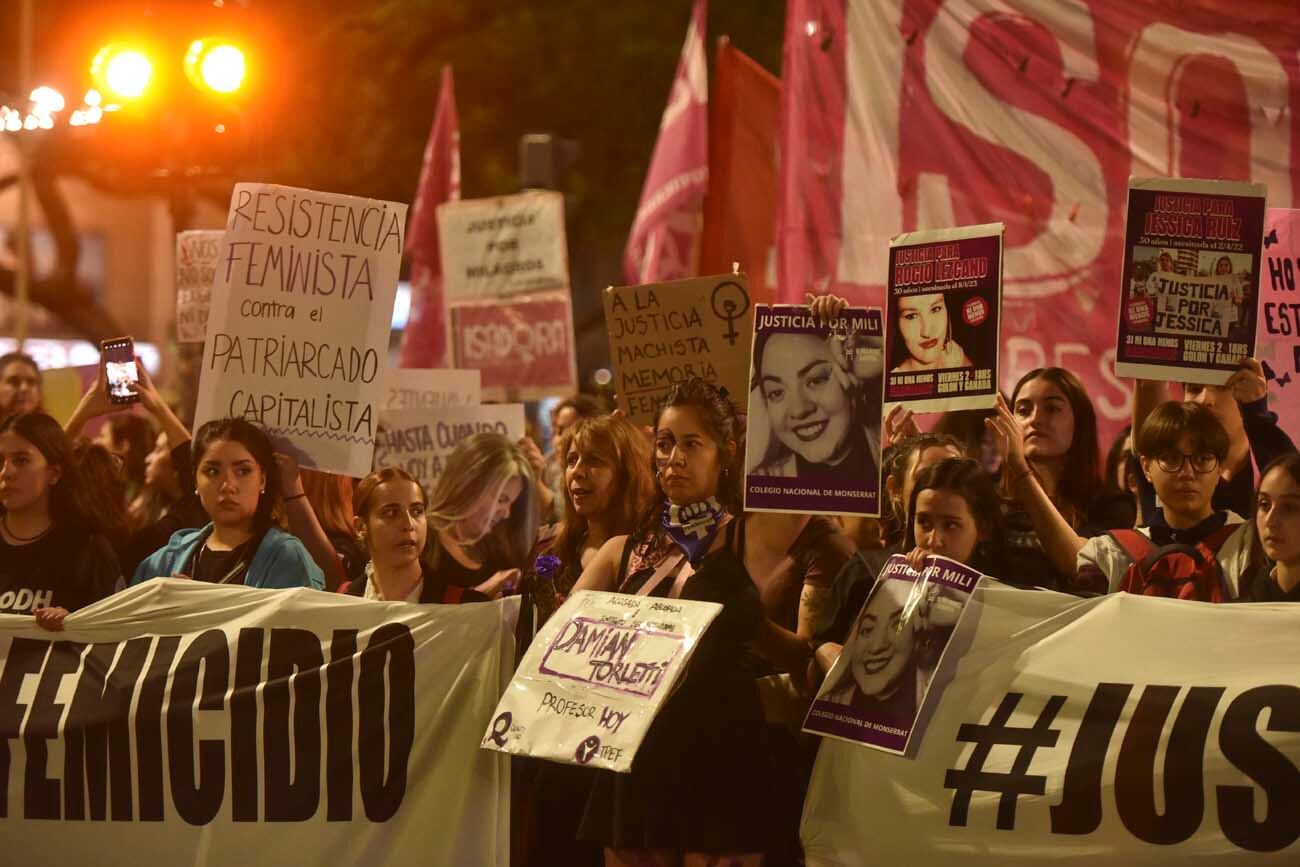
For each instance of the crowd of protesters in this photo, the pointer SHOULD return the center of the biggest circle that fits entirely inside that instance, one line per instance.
(658, 511)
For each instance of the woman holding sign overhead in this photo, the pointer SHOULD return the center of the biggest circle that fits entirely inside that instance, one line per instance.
(703, 778)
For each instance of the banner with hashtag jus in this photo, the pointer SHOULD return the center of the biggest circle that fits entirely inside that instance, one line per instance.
(1143, 731)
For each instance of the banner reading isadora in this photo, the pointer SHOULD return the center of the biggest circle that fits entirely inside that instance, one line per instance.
(420, 441)
(301, 314)
(1191, 264)
(1105, 730)
(944, 311)
(1278, 347)
(523, 346)
(812, 439)
(595, 677)
(180, 722)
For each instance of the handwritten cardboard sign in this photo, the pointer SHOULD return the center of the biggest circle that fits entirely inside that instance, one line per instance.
(1191, 265)
(664, 333)
(302, 307)
(437, 388)
(420, 440)
(595, 677)
(523, 346)
(1278, 349)
(196, 268)
(494, 248)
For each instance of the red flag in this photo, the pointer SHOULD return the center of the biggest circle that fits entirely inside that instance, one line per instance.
(424, 342)
(666, 231)
(740, 208)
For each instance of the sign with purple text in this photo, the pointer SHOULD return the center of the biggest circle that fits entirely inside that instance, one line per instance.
(874, 692)
(943, 313)
(812, 439)
(1191, 264)
(1278, 344)
(595, 676)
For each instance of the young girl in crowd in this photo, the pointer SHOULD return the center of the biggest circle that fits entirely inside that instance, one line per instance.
(1181, 447)
(130, 437)
(161, 489)
(1274, 547)
(52, 558)
(20, 384)
(238, 486)
(390, 522)
(483, 516)
(1052, 472)
(703, 776)
(105, 489)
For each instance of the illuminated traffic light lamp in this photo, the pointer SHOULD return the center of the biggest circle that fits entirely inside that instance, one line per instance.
(122, 71)
(215, 65)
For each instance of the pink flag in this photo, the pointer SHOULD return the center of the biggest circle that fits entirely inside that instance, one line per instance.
(666, 232)
(424, 342)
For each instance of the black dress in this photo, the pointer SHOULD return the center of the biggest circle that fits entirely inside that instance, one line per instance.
(703, 778)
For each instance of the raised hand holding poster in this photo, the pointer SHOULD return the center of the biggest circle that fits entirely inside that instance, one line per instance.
(943, 314)
(196, 268)
(301, 312)
(1191, 263)
(665, 333)
(595, 677)
(812, 438)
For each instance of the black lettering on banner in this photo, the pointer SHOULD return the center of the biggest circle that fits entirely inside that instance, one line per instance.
(1242, 745)
(97, 734)
(338, 726)
(24, 658)
(148, 729)
(1135, 769)
(292, 800)
(1080, 809)
(41, 794)
(244, 775)
(387, 662)
(197, 795)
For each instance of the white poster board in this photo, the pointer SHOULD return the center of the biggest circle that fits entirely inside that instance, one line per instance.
(420, 441)
(431, 388)
(494, 248)
(196, 268)
(595, 677)
(301, 313)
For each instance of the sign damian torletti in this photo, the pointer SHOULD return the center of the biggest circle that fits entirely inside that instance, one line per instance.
(661, 334)
(259, 727)
(302, 309)
(196, 268)
(595, 677)
(494, 248)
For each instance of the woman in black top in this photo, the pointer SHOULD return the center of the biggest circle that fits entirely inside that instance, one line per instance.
(1274, 571)
(702, 781)
(52, 559)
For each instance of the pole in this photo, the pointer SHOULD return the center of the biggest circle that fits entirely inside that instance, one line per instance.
(23, 274)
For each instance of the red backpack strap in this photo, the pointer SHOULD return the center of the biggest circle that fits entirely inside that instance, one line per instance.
(1215, 540)
(1135, 544)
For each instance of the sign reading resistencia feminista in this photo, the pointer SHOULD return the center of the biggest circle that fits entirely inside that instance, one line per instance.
(494, 248)
(196, 268)
(301, 313)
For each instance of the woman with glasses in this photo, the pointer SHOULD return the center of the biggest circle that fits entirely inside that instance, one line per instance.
(1181, 447)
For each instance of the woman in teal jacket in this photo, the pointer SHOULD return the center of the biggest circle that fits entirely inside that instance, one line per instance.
(238, 484)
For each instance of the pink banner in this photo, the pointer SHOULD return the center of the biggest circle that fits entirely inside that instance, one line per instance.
(915, 114)
(523, 347)
(665, 236)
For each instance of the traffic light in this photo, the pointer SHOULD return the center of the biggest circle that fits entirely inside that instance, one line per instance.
(216, 65)
(123, 71)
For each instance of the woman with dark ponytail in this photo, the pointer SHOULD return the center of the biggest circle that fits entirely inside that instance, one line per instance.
(53, 559)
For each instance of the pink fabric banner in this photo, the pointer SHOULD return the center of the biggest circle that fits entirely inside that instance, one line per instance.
(913, 114)
(666, 232)
(424, 342)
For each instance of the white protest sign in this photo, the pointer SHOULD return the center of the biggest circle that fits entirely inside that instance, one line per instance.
(301, 314)
(595, 677)
(1105, 730)
(196, 268)
(493, 248)
(417, 388)
(186, 723)
(420, 441)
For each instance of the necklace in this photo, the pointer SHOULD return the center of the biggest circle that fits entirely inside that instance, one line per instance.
(22, 540)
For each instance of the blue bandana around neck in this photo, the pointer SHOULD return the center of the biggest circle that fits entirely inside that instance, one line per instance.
(693, 527)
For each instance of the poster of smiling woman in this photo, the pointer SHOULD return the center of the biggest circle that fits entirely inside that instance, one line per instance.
(874, 692)
(943, 314)
(812, 441)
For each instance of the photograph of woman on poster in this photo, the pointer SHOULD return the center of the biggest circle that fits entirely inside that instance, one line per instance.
(819, 404)
(924, 327)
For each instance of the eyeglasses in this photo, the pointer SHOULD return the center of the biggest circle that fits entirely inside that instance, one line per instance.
(1172, 462)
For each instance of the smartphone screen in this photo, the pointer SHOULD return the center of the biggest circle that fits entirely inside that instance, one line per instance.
(119, 369)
